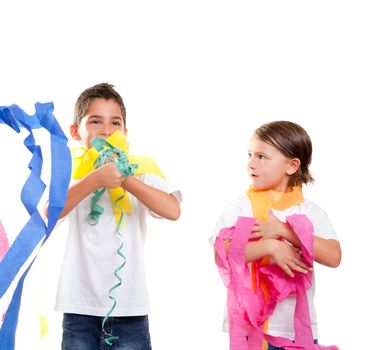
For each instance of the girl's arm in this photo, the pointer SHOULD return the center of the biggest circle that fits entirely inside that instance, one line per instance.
(160, 202)
(283, 254)
(327, 251)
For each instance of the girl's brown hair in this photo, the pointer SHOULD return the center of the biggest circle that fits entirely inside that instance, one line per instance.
(293, 142)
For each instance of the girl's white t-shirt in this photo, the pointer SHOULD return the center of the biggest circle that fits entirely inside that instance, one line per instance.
(281, 322)
(87, 272)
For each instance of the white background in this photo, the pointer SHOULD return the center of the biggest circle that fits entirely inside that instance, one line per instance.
(197, 78)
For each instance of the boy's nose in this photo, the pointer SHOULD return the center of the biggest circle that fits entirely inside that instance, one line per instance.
(105, 133)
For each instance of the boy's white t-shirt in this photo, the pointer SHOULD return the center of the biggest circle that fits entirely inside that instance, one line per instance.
(90, 259)
(281, 322)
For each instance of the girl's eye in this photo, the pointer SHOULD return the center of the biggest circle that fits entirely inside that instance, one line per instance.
(117, 123)
(95, 121)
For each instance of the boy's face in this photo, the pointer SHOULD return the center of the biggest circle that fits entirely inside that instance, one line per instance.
(103, 118)
(268, 168)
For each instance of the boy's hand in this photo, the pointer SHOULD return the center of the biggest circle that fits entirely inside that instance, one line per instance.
(108, 176)
(270, 228)
(287, 258)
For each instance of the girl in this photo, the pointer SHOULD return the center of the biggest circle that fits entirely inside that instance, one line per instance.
(282, 233)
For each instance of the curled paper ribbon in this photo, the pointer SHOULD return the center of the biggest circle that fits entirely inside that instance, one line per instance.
(116, 149)
(108, 154)
(35, 231)
(109, 337)
(247, 309)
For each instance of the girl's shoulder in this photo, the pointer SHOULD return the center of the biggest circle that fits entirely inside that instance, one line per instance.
(319, 218)
(241, 204)
(308, 206)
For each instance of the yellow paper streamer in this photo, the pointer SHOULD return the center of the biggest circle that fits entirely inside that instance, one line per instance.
(262, 202)
(83, 160)
(43, 325)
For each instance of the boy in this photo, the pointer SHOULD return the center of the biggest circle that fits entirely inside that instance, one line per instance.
(90, 258)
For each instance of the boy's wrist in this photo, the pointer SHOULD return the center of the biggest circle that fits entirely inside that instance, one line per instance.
(126, 181)
(94, 179)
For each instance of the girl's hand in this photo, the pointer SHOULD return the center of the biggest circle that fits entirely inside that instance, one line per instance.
(270, 228)
(288, 258)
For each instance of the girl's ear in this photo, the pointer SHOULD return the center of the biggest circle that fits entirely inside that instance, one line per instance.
(74, 132)
(293, 166)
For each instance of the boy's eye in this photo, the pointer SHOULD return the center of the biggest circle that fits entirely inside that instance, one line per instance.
(261, 156)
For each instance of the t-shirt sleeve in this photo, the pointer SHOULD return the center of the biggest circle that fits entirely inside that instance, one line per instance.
(228, 218)
(321, 222)
(157, 182)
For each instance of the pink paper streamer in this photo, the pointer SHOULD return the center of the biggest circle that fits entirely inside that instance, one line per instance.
(4, 243)
(247, 310)
(4, 247)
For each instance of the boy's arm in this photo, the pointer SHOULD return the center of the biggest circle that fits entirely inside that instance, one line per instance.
(160, 202)
(105, 176)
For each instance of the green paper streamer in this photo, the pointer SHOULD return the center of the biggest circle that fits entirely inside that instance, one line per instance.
(108, 154)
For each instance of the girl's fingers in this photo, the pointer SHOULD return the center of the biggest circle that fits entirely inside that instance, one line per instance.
(300, 266)
(296, 267)
(287, 270)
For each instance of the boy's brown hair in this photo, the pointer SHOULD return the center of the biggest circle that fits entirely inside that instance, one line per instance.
(293, 142)
(103, 90)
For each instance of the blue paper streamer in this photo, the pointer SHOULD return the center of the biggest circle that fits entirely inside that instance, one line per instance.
(35, 230)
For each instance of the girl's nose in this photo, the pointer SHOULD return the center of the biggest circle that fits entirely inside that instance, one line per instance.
(250, 163)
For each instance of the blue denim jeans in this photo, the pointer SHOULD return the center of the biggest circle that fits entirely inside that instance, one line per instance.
(84, 332)
(271, 347)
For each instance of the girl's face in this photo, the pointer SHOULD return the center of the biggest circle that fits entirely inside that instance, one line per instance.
(268, 168)
(103, 118)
